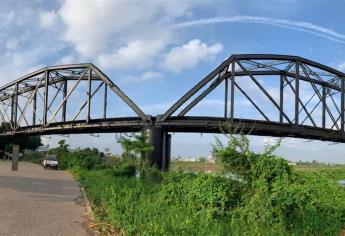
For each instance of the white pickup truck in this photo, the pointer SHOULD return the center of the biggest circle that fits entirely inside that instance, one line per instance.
(50, 161)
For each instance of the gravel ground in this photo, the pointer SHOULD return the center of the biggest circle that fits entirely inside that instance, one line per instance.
(35, 202)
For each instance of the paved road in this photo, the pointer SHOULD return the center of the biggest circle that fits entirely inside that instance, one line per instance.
(35, 202)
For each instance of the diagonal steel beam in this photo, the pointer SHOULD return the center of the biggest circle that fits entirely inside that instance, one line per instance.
(215, 84)
(303, 107)
(254, 104)
(324, 103)
(21, 112)
(85, 103)
(5, 112)
(29, 101)
(196, 88)
(68, 95)
(263, 90)
(119, 93)
(55, 95)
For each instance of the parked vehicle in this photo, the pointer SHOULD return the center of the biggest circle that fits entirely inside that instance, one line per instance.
(50, 161)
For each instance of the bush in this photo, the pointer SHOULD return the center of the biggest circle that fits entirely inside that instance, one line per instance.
(214, 194)
(125, 170)
(88, 159)
(279, 198)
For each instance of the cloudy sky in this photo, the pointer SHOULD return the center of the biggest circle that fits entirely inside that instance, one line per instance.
(155, 51)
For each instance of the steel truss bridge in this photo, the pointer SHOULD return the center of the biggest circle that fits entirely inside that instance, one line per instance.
(292, 96)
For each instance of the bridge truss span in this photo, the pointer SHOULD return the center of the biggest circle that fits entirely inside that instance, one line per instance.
(64, 99)
(290, 96)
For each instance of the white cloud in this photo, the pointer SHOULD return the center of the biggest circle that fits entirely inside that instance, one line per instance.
(190, 54)
(94, 27)
(15, 65)
(149, 75)
(139, 53)
(47, 19)
(68, 59)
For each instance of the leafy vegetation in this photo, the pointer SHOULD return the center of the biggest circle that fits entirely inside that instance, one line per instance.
(251, 194)
(277, 196)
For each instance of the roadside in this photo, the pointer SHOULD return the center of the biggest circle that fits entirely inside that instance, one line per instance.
(34, 201)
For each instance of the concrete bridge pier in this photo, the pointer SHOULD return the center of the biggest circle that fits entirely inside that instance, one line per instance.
(161, 142)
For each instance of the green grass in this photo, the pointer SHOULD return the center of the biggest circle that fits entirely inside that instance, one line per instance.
(194, 166)
(139, 207)
(267, 197)
(332, 172)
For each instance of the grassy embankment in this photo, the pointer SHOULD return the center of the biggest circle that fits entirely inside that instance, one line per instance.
(204, 204)
(271, 199)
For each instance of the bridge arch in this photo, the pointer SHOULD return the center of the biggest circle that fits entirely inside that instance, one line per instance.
(315, 113)
(37, 103)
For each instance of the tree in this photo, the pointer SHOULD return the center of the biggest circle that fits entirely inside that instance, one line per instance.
(136, 144)
(237, 158)
(62, 145)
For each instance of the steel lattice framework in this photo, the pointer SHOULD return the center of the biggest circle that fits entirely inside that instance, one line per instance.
(37, 103)
(306, 100)
(313, 113)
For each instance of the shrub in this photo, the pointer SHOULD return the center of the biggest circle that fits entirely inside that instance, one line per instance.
(276, 196)
(214, 194)
(125, 170)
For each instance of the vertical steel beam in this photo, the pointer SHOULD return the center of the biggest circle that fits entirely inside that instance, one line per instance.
(46, 97)
(297, 92)
(89, 97)
(324, 107)
(34, 108)
(64, 94)
(232, 91)
(281, 99)
(12, 110)
(226, 98)
(15, 106)
(342, 105)
(105, 100)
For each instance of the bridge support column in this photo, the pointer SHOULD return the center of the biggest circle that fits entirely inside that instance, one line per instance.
(161, 142)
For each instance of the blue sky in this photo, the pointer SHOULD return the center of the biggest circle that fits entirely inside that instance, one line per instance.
(155, 51)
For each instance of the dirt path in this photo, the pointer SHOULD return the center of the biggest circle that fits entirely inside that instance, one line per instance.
(36, 202)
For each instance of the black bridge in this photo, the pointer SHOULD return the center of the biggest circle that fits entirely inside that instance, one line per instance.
(290, 97)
